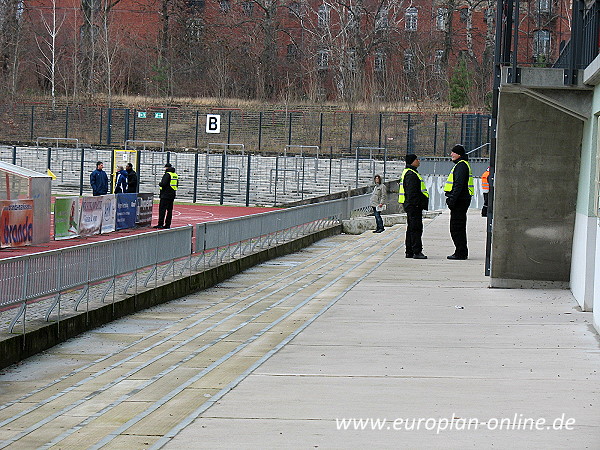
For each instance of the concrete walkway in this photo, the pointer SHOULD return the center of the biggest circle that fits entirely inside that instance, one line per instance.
(348, 328)
(422, 340)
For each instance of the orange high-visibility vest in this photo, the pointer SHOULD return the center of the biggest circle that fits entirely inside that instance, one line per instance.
(485, 185)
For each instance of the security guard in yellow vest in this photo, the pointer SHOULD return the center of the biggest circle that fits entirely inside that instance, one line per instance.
(459, 189)
(168, 190)
(414, 198)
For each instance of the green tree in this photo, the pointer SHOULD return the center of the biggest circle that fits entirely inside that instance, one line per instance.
(460, 86)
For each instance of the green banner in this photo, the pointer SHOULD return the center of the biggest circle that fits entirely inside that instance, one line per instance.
(66, 218)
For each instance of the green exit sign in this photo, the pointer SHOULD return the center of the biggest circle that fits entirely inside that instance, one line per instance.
(158, 115)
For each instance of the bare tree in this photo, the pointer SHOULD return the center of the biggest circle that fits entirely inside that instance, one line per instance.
(11, 12)
(49, 51)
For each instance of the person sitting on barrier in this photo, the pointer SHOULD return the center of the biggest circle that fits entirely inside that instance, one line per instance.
(121, 183)
(168, 190)
(99, 180)
(378, 198)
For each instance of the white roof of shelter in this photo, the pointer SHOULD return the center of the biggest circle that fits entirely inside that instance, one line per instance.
(22, 171)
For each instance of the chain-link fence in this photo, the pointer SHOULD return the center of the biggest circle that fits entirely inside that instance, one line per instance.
(265, 131)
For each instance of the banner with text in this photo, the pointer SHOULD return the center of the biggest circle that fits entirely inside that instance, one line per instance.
(16, 223)
(90, 220)
(109, 213)
(126, 211)
(66, 218)
(144, 209)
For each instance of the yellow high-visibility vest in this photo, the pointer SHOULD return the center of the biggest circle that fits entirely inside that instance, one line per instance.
(450, 180)
(174, 181)
(401, 197)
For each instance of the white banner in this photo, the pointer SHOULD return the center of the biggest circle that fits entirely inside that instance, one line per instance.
(109, 213)
(90, 219)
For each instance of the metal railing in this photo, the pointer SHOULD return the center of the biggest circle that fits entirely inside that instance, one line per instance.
(46, 274)
(131, 261)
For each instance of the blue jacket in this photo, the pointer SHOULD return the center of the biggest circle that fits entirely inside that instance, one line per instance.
(121, 184)
(99, 182)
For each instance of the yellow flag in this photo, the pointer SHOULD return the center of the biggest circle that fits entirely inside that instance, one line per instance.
(50, 174)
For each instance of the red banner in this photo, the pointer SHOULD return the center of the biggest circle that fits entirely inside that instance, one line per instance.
(16, 223)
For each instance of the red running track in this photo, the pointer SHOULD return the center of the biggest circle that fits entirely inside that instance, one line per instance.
(182, 215)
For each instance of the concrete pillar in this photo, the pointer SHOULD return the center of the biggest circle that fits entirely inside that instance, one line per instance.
(537, 171)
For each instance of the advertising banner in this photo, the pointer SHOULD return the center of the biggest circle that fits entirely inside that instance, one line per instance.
(126, 211)
(144, 209)
(66, 218)
(16, 223)
(109, 213)
(90, 220)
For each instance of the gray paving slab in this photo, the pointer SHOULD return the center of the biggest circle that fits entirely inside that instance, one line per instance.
(422, 340)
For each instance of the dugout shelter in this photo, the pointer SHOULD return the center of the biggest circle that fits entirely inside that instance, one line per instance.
(20, 183)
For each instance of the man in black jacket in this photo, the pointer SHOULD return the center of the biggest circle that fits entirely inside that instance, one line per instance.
(414, 198)
(459, 190)
(168, 190)
(132, 181)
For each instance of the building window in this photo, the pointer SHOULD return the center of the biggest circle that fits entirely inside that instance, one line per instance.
(295, 9)
(194, 28)
(541, 44)
(410, 19)
(438, 59)
(248, 8)
(322, 59)
(196, 5)
(323, 16)
(224, 5)
(544, 6)
(351, 55)
(292, 51)
(489, 15)
(464, 14)
(441, 19)
(381, 20)
(409, 61)
(379, 62)
(352, 20)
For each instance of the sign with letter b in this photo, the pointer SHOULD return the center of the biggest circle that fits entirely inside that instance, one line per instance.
(213, 123)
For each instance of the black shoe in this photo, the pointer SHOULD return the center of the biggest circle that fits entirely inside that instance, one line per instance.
(157, 226)
(410, 255)
(165, 228)
(378, 231)
(456, 257)
(419, 256)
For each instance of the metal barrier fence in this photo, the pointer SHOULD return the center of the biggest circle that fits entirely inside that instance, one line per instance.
(72, 272)
(50, 273)
(261, 131)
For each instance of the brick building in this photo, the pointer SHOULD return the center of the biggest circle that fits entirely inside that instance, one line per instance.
(365, 50)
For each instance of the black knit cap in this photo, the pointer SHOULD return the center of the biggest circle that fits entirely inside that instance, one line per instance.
(459, 150)
(410, 158)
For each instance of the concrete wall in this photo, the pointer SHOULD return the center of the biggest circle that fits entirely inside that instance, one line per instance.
(537, 171)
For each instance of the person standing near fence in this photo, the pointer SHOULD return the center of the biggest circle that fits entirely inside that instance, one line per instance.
(414, 198)
(378, 198)
(132, 179)
(99, 180)
(485, 187)
(168, 190)
(121, 180)
(459, 190)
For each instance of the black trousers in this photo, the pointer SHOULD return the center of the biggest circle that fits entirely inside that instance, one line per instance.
(165, 212)
(485, 204)
(414, 230)
(458, 227)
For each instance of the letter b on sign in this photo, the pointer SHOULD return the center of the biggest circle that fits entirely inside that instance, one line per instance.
(213, 123)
